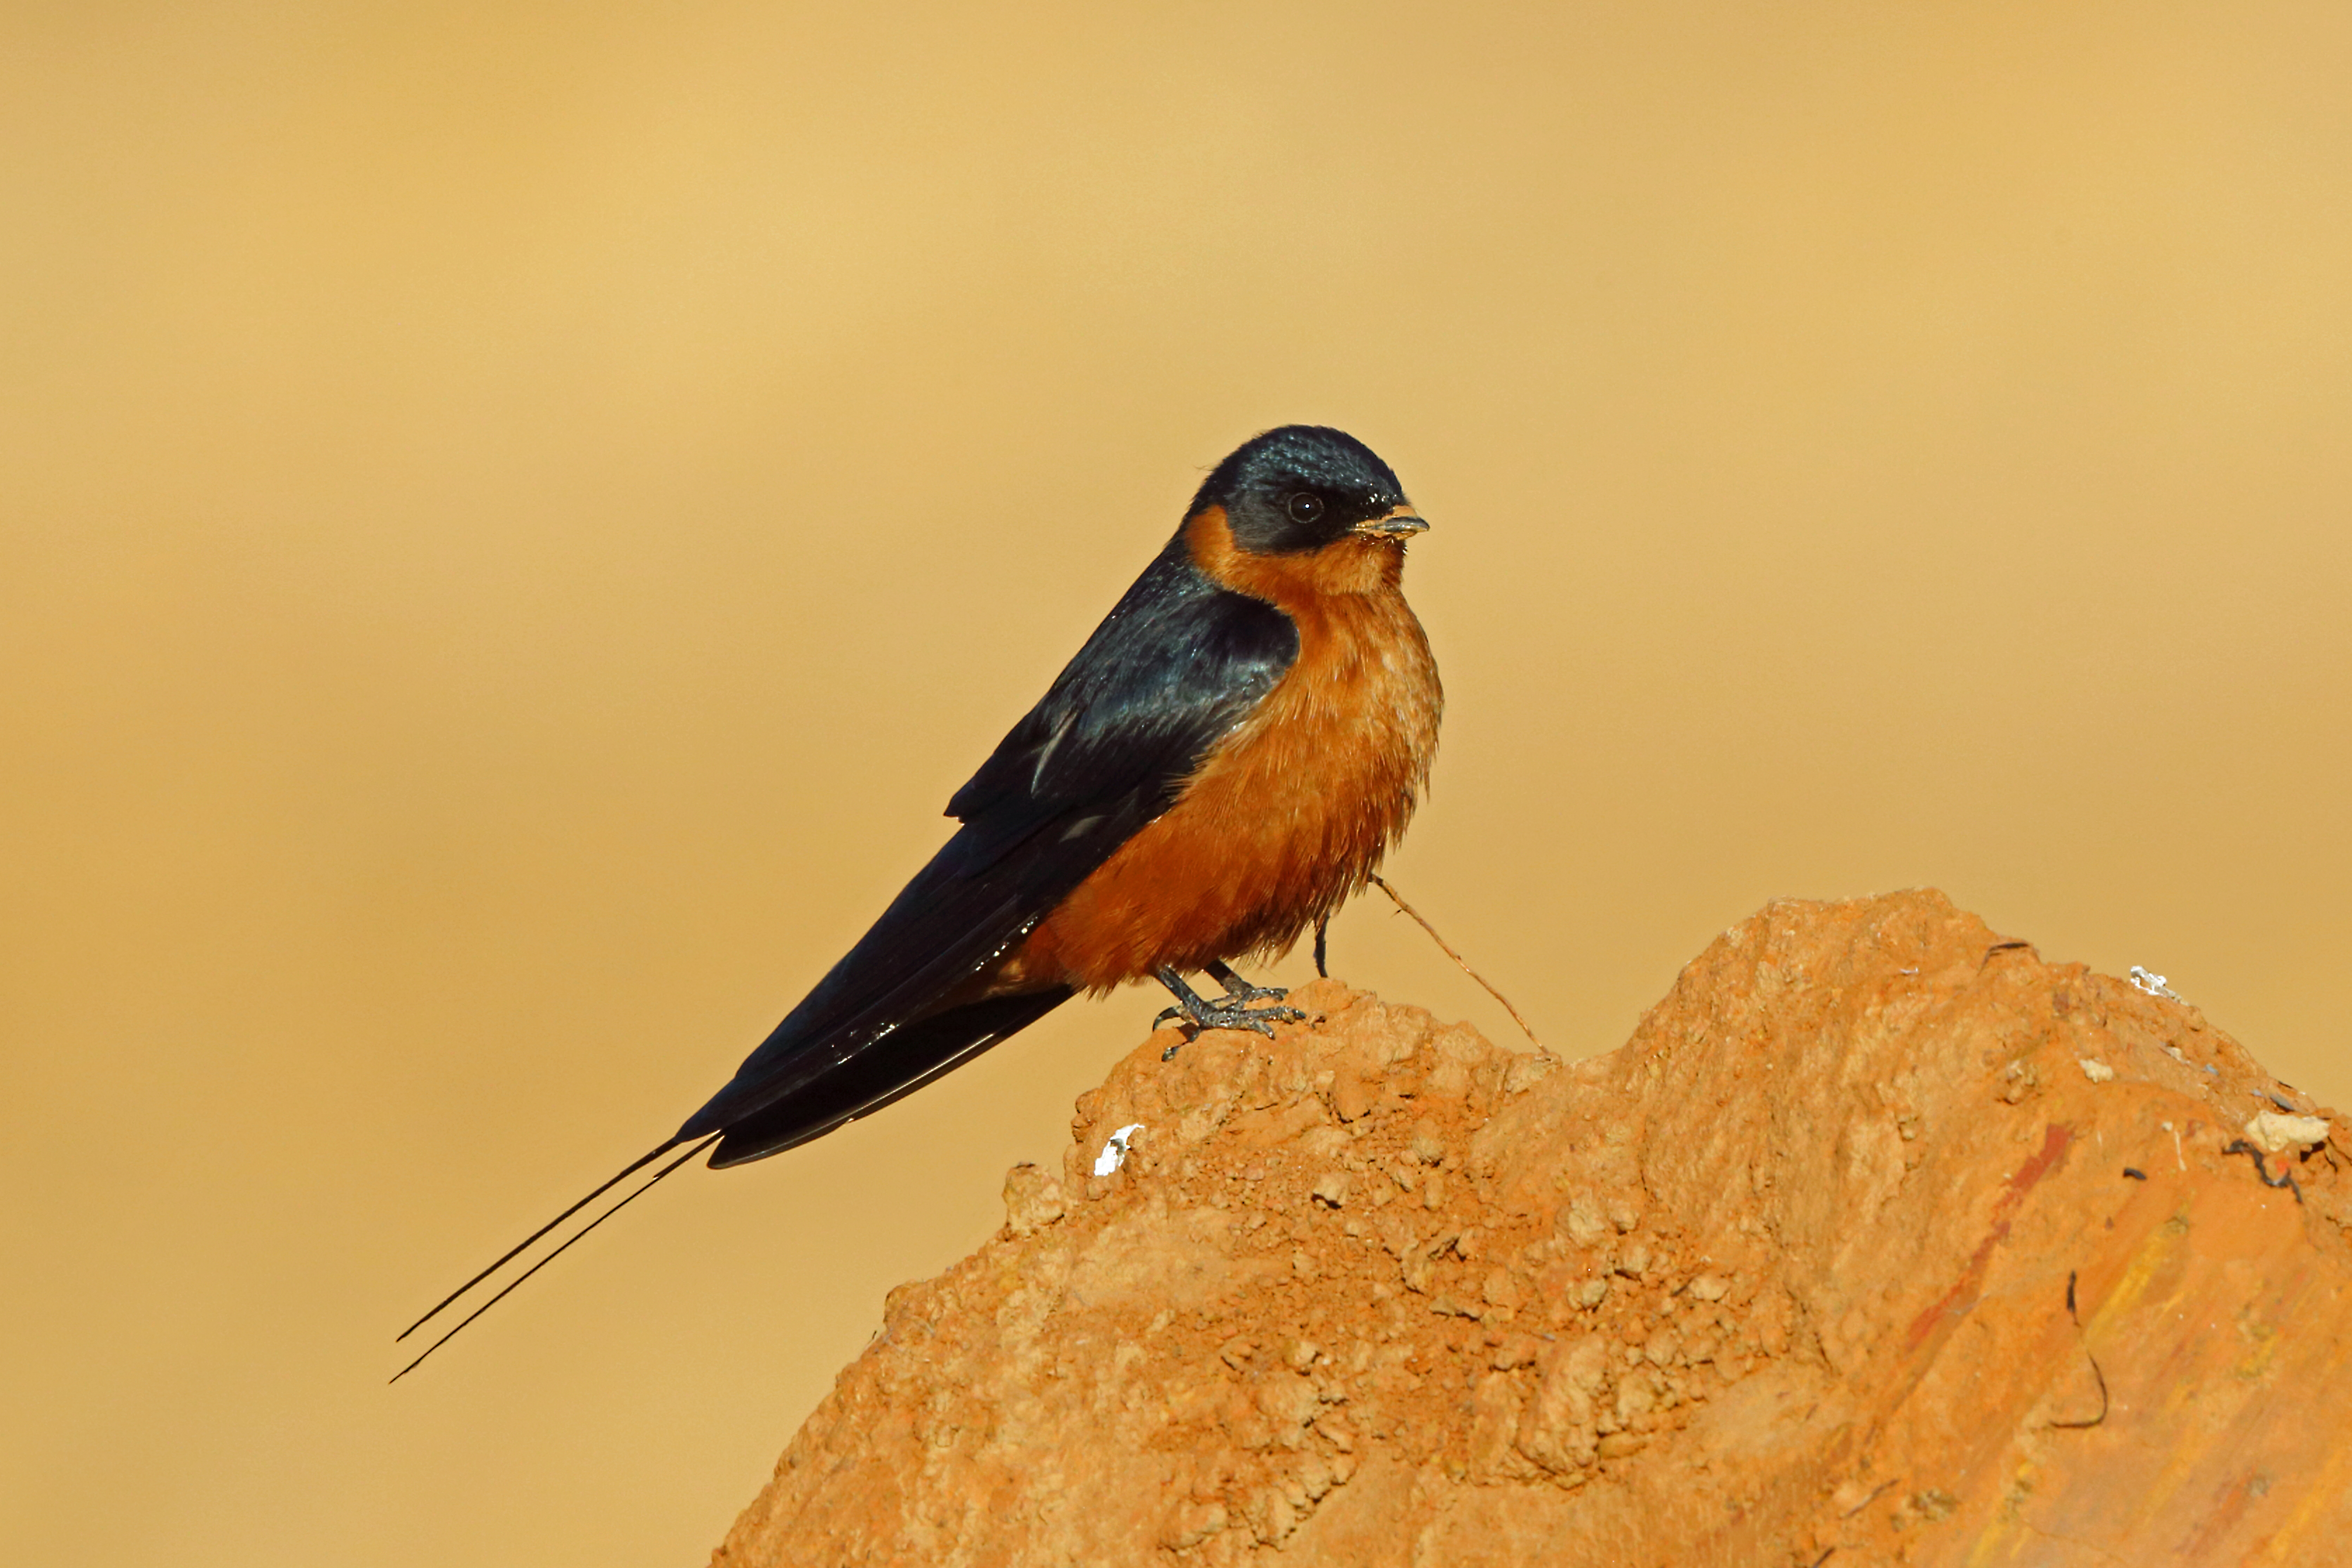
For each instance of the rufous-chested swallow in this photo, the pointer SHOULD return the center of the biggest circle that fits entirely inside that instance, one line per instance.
(1224, 763)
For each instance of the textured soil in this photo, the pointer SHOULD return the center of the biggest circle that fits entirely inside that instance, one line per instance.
(1882, 1240)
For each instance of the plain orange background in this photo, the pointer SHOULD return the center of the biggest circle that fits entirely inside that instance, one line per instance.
(513, 521)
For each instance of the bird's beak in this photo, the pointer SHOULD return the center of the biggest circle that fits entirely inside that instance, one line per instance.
(1400, 523)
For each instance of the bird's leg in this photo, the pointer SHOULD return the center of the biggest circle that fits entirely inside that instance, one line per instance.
(1227, 1011)
(1323, 947)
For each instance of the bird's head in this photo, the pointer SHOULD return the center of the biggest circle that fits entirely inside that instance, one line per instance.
(1304, 487)
(1298, 510)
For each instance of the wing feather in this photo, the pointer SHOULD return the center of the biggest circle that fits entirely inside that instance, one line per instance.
(1177, 664)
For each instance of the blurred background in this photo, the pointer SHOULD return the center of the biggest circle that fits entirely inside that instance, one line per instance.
(515, 518)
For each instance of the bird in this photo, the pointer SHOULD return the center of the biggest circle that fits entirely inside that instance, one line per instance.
(1227, 760)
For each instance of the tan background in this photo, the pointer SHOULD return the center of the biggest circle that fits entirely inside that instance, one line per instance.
(516, 518)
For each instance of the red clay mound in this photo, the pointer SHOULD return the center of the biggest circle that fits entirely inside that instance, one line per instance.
(1883, 1240)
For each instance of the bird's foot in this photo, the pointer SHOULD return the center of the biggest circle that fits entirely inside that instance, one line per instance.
(1217, 1014)
(1240, 992)
(1230, 1011)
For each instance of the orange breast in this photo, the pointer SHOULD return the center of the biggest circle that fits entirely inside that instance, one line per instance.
(1293, 811)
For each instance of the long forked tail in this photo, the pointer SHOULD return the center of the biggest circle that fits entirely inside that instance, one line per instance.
(523, 1246)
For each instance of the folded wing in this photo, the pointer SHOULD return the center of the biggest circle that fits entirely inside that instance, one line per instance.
(1177, 664)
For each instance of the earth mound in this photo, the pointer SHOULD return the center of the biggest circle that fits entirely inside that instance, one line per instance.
(1882, 1240)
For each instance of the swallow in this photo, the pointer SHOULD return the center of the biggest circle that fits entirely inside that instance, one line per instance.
(1224, 763)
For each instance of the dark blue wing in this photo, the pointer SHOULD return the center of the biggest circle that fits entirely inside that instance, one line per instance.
(1176, 665)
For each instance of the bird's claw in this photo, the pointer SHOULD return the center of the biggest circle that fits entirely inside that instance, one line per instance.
(1194, 1013)
(1216, 1016)
(1222, 1014)
(1231, 1011)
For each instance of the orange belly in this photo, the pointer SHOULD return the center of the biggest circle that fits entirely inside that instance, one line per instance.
(1286, 819)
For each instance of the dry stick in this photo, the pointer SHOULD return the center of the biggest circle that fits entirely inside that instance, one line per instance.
(1459, 961)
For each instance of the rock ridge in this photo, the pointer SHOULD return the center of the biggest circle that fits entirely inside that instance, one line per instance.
(1882, 1238)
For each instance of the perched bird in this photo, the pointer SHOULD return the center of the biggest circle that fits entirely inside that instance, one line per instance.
(1224, 762)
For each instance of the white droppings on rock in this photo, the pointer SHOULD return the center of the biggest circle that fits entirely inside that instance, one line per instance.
(1113, 1152)
(2096, 1070)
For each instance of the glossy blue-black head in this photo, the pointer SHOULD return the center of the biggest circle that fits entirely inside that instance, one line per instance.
(1303, 486)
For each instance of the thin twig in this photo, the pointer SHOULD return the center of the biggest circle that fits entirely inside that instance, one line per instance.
(1460, 963)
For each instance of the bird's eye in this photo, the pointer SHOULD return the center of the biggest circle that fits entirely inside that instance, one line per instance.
(1304, 507)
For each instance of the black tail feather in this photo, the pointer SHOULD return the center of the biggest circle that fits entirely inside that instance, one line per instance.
(584, 1230)
(631, 1169)
(898, 1064)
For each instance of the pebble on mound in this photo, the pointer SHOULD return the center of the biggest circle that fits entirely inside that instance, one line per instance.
(1882, 1240)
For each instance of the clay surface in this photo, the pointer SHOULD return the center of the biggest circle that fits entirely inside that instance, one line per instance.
(1882, 1240)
